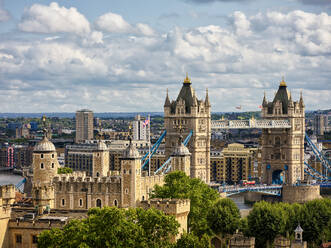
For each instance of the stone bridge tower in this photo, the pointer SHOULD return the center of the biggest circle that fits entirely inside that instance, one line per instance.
(183, 115)
(283, 149)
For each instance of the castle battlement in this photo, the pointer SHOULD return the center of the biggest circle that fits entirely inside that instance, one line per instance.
(169, 206)
(78, 179)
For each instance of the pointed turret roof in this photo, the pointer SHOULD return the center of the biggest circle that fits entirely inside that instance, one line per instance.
(207, 102)
(282, 95)
(187, 94)
(167, 101)
(301, 100)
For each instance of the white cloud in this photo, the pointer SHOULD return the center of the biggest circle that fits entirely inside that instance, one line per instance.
(52, 19)
(145, 29)
(130, 72)
(113, 23)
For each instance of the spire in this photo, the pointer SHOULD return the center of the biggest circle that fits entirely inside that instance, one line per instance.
(187, 80)
(167, 101)
(264, 102)
(282, 83)
(207, 102)
(301, 100)
(291, 104)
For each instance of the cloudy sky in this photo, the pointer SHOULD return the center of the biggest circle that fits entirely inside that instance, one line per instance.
(112, 56)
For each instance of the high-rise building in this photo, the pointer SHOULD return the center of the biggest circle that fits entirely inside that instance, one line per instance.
(140, 128)
(188, 114)
(319, 124)
(84, 125)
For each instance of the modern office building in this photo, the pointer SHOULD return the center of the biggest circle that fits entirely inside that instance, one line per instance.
(84, 125)
(140, 128)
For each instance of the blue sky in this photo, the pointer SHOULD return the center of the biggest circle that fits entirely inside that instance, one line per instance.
(110, 56)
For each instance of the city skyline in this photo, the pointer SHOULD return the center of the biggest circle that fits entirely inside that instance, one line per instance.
(121, 57)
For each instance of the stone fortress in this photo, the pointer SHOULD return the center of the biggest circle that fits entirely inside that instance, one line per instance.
(57, 198)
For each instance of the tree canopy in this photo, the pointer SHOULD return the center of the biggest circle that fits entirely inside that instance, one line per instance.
(114, 227)
(179, 185)
(224, 217)
(64, 170)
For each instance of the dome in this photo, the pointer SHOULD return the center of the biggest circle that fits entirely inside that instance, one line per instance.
(44, 146)
(131, 152)
(181, 150)
(102, 146)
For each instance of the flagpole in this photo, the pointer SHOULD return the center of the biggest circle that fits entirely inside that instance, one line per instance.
(149, 144)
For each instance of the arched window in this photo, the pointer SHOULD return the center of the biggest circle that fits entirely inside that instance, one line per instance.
(41, 155)
(277, 141)
(98, 203)
(98, 174)
(53, 155)
(42, 166)
(115, 203)
(80, 202)
(63, 202)
(143, 198)
(52, 165)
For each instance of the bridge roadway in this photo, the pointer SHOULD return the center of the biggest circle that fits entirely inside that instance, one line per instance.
(252, 123)
(268, 189)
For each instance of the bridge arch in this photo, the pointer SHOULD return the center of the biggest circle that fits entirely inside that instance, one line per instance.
(278, 177)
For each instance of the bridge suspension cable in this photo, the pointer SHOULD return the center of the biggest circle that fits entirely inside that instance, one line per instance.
(145, 159)
(165, 168)
(324, 161)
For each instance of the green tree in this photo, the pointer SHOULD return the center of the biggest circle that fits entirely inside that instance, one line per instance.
(114, 227)
(64, 170)
(316, 221)
(189, 240)
(179, 185)
(265, 222)
(224, 217)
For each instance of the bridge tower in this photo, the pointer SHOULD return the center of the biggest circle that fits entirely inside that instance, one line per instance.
(283, 148)
(190, 114)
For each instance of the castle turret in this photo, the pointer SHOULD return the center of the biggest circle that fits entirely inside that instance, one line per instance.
(131, 175)
(101, 160)
(181, 159)
(45, 165)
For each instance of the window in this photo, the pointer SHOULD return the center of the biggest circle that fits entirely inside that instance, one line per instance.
(52, 165)
(80, 202)
(34, 239)
(98, 203)
(63, 202)
(115, 203)
(42, 166)
(98, 174)
(126, 191)
(41, 155)
(143, 198)
(18, 238)
(53, 155)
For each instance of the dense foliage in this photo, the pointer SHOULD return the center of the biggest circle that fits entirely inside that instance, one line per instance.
(64, 170)
(224, 217)
(114, 227)
(179, 185)
(189, 240)
(267, 220)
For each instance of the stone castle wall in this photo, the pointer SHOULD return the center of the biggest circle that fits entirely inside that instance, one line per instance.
(300, 193)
